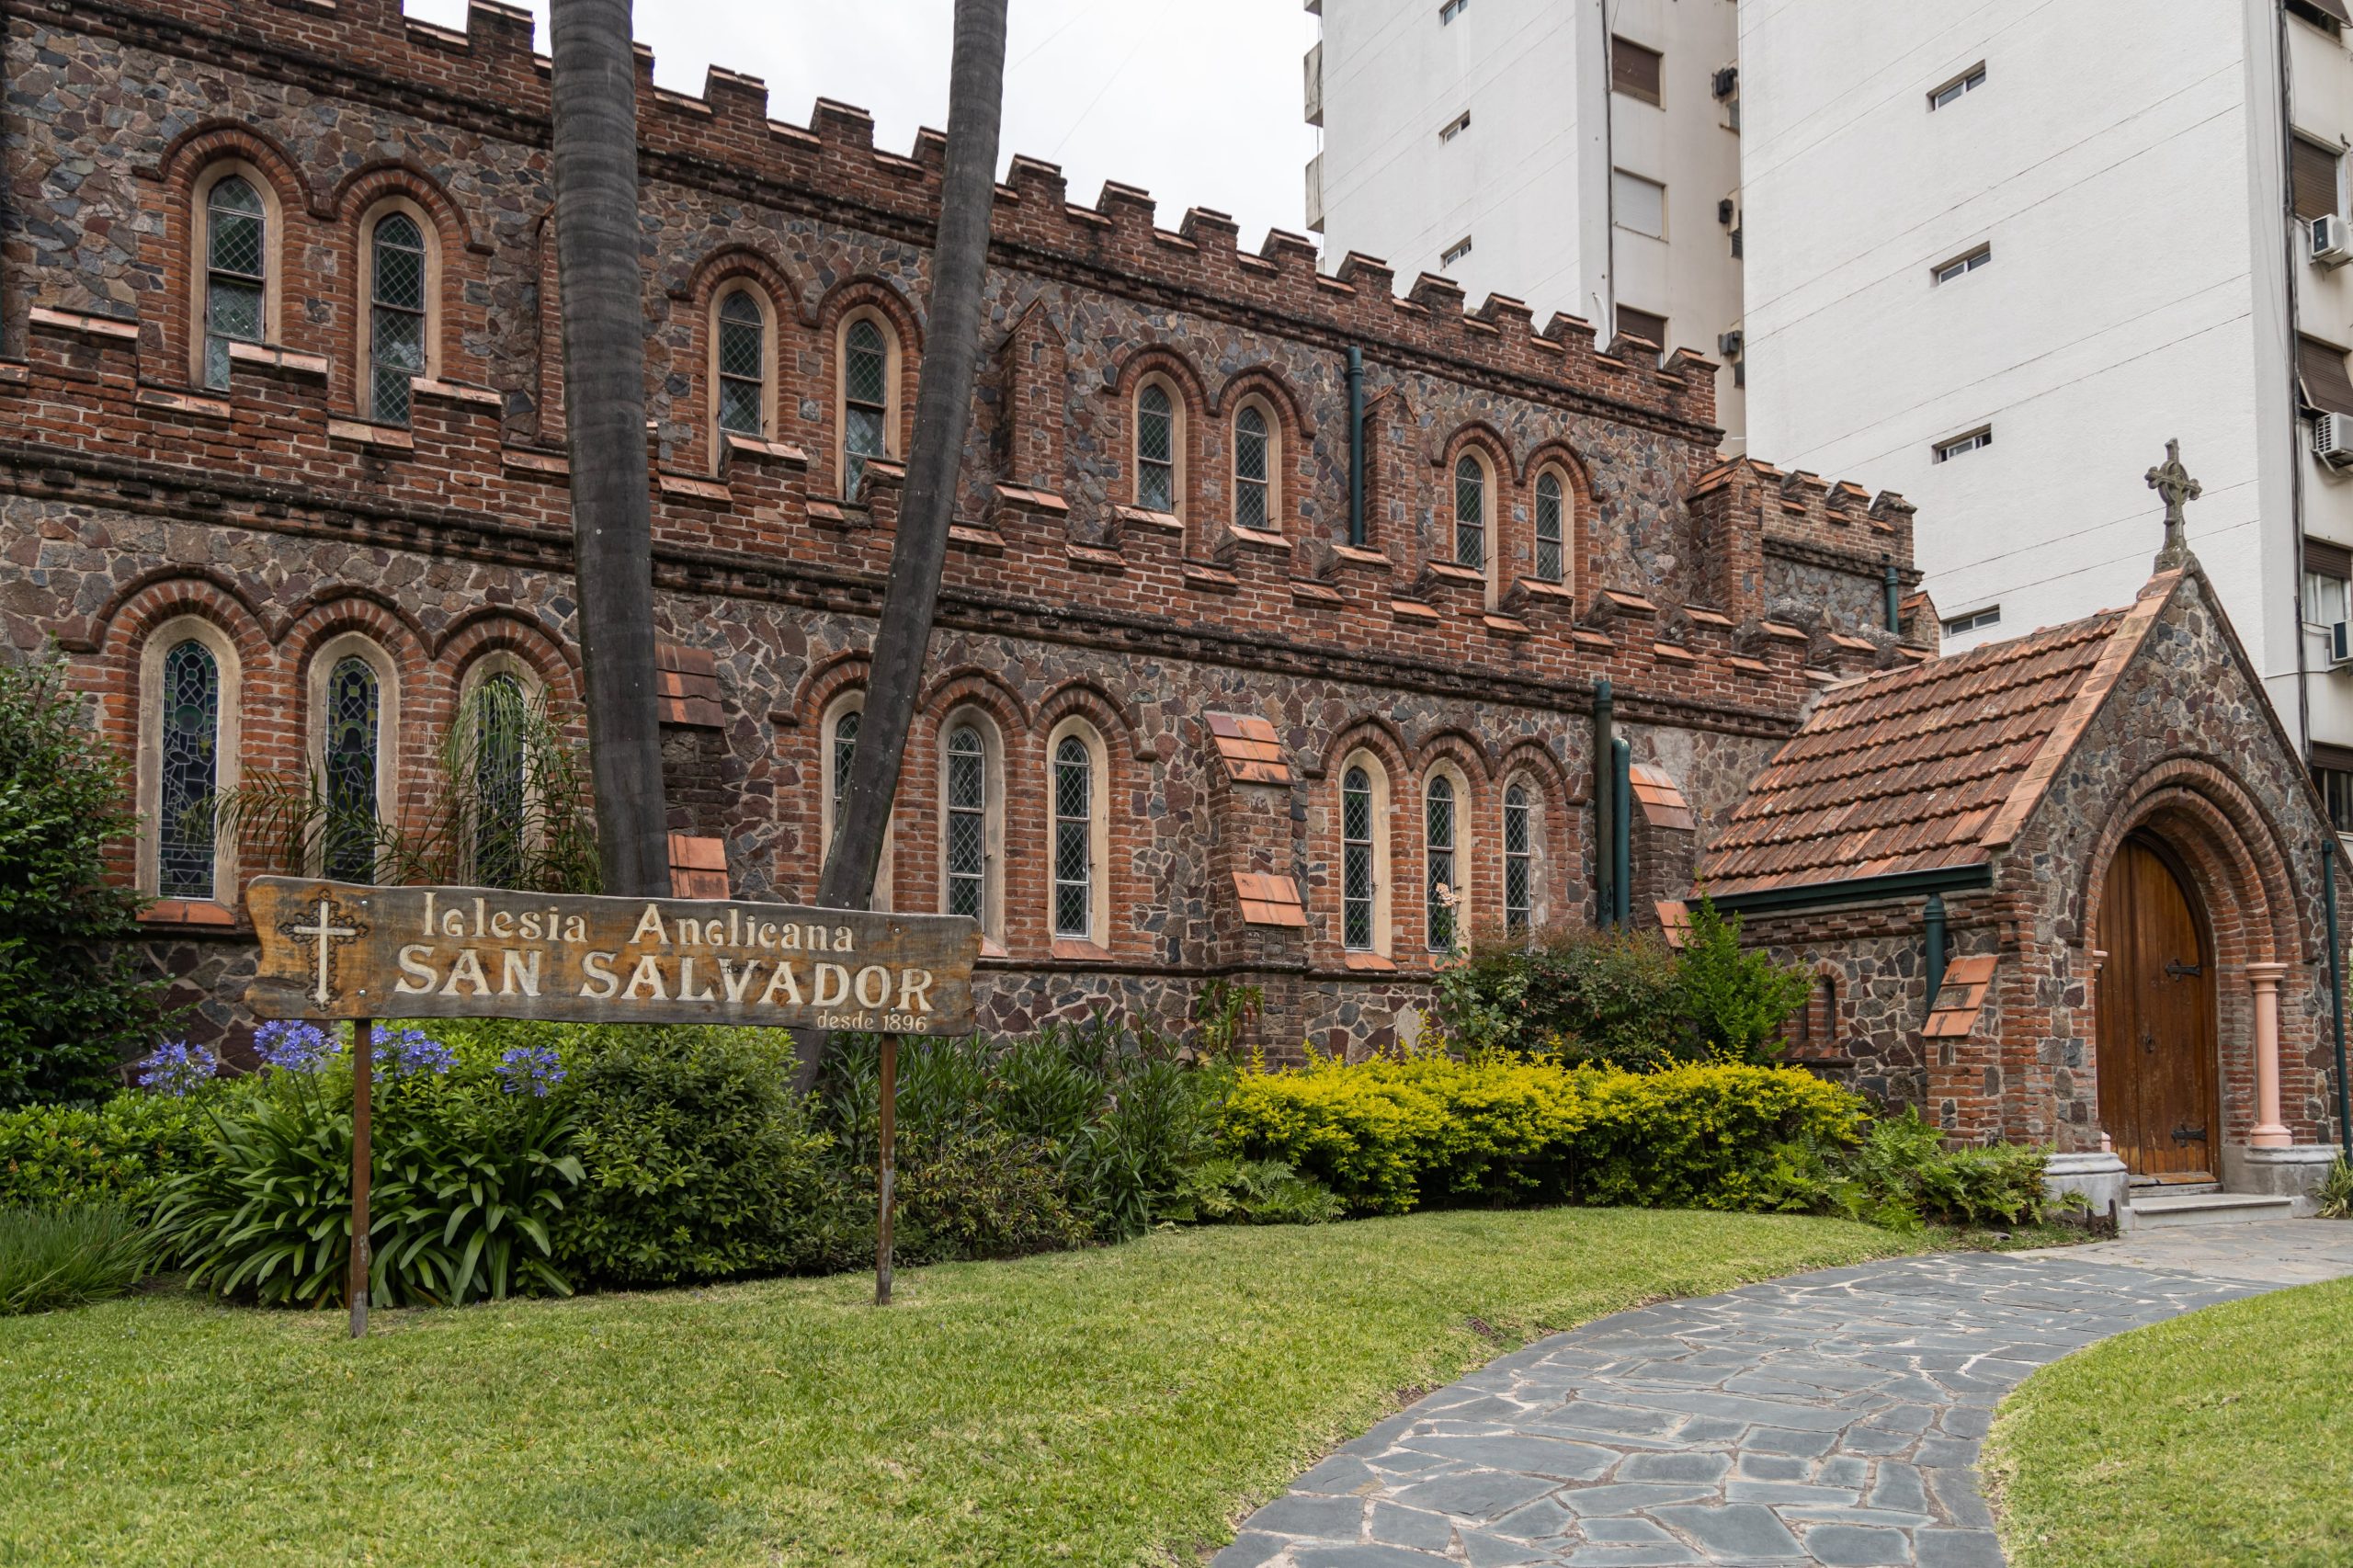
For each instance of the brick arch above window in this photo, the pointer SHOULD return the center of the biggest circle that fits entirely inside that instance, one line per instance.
(501, 633)
(968, 686)
(822, 679)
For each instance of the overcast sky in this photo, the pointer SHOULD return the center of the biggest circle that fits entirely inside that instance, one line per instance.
(1198, 101)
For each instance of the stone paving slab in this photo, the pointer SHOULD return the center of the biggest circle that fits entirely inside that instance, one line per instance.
(1831, 1418)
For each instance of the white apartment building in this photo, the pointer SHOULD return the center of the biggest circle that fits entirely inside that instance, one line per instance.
(1580, 155)
(1999, 251)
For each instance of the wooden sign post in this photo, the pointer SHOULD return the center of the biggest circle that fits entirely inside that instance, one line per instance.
(333, 951)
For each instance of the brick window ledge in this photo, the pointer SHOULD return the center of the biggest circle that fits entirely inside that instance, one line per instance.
(188, 912)
(1081, 952)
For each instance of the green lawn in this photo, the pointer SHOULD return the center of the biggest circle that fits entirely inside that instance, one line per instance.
(2222, 1437)
(1101, 1407)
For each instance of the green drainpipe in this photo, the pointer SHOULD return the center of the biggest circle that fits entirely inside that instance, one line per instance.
(1933, 920)
(1621, 850)
(1605, 813)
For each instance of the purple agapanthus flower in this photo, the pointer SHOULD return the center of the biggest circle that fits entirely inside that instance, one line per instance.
(529, 1070)
(403, 1052)
(176, 1069)
(296, 1046)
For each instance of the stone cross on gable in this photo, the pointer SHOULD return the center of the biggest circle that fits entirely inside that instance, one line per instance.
(328, 935)
(2172, 481)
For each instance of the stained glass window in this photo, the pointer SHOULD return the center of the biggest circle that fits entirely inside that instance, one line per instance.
(866, 369)
(396, 316)
(1074, 834)
(1357, 862)
(499, 717)
(236, 252)
(1438, 841)
(1470, 513)
(189, 771)
(968, 807)
(350, 754)
(743, 365)
(845, 752)
(1155, 450)
(1549, 513)
(1250, 502)
(1518, 862)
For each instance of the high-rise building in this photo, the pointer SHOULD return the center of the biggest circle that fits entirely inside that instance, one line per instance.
(1998, 247)
(1580, 156)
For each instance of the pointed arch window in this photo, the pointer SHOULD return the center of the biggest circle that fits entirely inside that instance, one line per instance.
(1254, 504)
(844, 754)
(1357, 886)
(742, 361)
(1551, 514)
(236, 273)
(837, 750)
(188, 771)
(395, 316)
(968, 823)
(866, 399)
(1074, 785)
(1520, 857)
(1155, 449)
(352, 761)
(499, 713)
(1442, 892)
(1470, 513)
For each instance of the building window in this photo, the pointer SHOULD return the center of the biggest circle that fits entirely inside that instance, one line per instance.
(1441, 893)
(395, 316)
(499, 714)
(1156, 447)
(1650, 327)
(1975, 621)
(1455, 252)
(189, 771)
(1358, 884)
(2335, 785)
(2327, 566)
(1471, 512)
(2328, 16)
(236, 278)
(968, 823)
(1968, 81)
(1074, 787)
(1455, 127)
(1635, 70)
(1638, 205)
(1447, 12)
(1551, 512)
(742, 361)
(837, 747)
(1946, 450)
(1945, 272)
(1520, 852)
(869, 397)
(351, 761)
(2314, 178)
(1252, 469)
(2321, 377)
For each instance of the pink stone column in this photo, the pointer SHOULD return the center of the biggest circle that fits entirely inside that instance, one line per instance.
(2269, 1132)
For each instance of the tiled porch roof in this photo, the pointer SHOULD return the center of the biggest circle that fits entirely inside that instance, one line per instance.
(1922, 768)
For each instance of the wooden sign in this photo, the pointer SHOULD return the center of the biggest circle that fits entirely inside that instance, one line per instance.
(342, 950)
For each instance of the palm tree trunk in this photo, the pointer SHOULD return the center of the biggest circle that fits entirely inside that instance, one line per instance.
(601, 289)
(943, 410)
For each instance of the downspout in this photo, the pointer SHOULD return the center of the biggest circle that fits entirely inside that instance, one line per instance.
(1933, 920)
(2336, 990)
(1356, 446)
(1605, 810)
(1895, 585)
(1621, 849)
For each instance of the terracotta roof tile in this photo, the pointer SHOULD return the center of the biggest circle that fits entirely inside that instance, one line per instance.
(697, 866)
(1252, 752)
(1662, 804)
(687, 686)
(1269, 900)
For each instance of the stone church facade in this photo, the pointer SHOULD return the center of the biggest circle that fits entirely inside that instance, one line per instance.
(1278, 613)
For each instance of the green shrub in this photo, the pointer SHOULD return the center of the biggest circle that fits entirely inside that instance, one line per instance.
(1901, 1175)
(2336, 1195)
(1397, 1133)
(983, 1193)
(1250, 1193)
(468, 1183)
(51, 1258)
(73, 1005)
(118, 1152)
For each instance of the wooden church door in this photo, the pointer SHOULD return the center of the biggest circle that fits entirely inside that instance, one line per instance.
(2157, 1094)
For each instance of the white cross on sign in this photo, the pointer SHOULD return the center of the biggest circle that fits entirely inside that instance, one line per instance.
(326, 933)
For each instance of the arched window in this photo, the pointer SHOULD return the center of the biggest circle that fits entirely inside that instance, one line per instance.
(1254, 493)
(838, 743)
(1470, 513)
(1520, 853)
(968, 823)
(742, 361)
(844, 755)
(1073, 786)
(498, 713)
(1442, 892)
(1157, 466)
(867, 398)
(395, 316)
(351, 761)
(1551, 512)
(189, 771)
(236, 278)
(1358, 884)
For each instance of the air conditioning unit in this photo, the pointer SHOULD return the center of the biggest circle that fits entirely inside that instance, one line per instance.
(1729, 345)
(2333, 439)
(2340, 645)
(1725, 82)
(2332, 240)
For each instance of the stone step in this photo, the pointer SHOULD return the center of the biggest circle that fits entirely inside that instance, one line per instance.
(2208, 1208)
(2174, 1189)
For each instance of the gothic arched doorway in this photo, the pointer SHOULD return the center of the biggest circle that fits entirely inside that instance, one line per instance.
(2158, 1097)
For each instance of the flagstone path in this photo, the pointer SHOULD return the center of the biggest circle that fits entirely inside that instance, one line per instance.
(1830, 1418)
